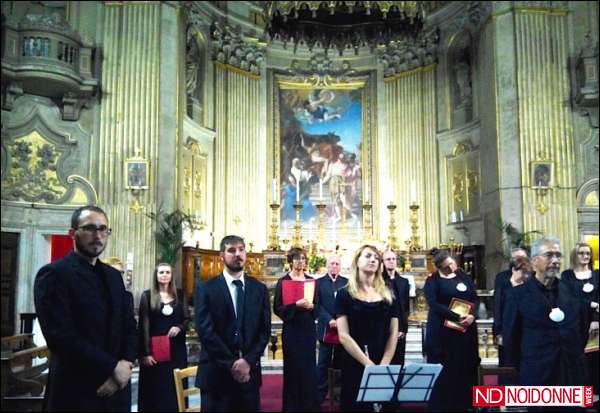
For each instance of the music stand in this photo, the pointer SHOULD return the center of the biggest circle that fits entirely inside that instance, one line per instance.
(383, 383)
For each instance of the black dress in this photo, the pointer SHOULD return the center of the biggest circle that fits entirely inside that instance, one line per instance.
(570, 281)
(299, 338)
(369, 326)
(156, 391)
(457, 352)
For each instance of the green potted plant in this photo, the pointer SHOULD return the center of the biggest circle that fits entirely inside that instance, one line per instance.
(315, 262)
(169, 233)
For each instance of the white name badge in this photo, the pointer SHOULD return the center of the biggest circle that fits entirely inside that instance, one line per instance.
(557, 315)
(588, 287)
(461, 287)
(167, 310)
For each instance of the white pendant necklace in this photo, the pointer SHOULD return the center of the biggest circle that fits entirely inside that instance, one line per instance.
(461, 287)
(167, 310)
(557, 315)
(588, 287)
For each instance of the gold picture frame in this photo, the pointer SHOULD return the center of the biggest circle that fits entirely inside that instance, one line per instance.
(542, 174)
(137, 173)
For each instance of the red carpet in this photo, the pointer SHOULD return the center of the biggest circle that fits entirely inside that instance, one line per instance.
(270, 392)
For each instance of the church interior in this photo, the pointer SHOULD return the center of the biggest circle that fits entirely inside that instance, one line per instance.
(470, 126)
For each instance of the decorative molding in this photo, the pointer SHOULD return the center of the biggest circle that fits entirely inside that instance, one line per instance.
(232, 48)
(400, 57)
(321, 71)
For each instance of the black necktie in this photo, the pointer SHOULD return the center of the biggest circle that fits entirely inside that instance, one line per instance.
(239, 307)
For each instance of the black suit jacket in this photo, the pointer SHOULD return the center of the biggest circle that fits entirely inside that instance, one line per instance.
(502, 286)
(88, 330)
(326, 299)
(215, 324)
(401, 288)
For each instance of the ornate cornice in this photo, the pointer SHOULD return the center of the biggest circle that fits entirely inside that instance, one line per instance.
(399, 57)
(232, 48)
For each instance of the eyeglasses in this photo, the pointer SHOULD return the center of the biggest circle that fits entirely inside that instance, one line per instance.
(90, 229)
(551, 254)
(587, 253)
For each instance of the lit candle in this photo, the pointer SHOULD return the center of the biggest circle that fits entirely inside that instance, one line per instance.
(298, 193)
(274, 190)
(461, 215)
(391, 191)
(453, 216)
(320, 189)
(413, 192)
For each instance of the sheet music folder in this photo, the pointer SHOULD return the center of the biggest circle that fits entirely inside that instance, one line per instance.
(410, 383)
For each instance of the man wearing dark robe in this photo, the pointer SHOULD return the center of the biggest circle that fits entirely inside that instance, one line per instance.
(87, 319)
(542, 324)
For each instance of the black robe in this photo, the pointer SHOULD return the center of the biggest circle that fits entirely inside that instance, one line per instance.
(547, 353)
(87, 319)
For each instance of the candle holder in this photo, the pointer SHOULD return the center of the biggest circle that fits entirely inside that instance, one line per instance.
(274, 228)
(367, 223)
(297, 240)
(321, 207)
(392, 241)
(415, 244)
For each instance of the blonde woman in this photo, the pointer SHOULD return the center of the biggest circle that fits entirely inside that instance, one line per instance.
(582, 281)
(367, 322)
(163, 312)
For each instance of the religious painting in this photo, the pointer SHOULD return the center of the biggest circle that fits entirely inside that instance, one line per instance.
(136, 176)
(463, 183)
(320, 146)
(541, 174)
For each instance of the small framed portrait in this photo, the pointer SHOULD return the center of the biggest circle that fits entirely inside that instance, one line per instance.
(136, 174)
(542, 174)
(418, 262)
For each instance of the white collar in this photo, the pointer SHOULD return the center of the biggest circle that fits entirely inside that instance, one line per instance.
(229, 279)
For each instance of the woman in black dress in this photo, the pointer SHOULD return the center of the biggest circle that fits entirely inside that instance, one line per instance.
(299, 338)
(582, 281)
(163, 311)
(457, 351)
(367, 321)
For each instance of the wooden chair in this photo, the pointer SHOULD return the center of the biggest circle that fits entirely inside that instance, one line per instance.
(497, 373)
(184, 394)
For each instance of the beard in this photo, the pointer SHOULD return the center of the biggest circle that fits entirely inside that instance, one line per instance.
(234, 266)
(91, 250)
(553, 272)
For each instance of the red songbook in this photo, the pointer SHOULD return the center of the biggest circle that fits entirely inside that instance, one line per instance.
(161, 348)
(331, 336)
(461, 307)
(293, 291)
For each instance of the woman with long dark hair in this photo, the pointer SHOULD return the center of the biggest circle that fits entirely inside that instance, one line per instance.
(163, 312)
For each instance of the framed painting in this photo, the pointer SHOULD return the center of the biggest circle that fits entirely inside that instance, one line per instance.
(322, 151)
(542, 174)
(136, 174)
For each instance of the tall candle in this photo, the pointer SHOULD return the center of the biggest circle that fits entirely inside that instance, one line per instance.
(298, 193)
(413, 192)
(320, 189)
(275, 190)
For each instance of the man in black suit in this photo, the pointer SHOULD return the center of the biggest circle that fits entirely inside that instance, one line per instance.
(502, 285)
(233, 321)
(401, 289)
(327, 288)
(87, 320)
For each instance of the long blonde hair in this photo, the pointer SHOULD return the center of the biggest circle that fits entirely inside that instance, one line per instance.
(575, 258)
(154, 291)
(378, 282)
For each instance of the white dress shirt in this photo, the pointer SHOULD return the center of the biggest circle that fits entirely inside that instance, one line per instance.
(232, 288)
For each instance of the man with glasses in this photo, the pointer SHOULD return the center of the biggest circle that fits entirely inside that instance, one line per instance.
(87, 320)
(502, 285)
(542, 322)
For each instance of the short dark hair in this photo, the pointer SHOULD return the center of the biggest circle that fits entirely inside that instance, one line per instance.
(522, 263)
(439, 257)
(77, 214)
(231, 239)
(295, 252)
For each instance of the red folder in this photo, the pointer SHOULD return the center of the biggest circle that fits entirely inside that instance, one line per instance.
(331, 336)
(161, 348)
(293, 291)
